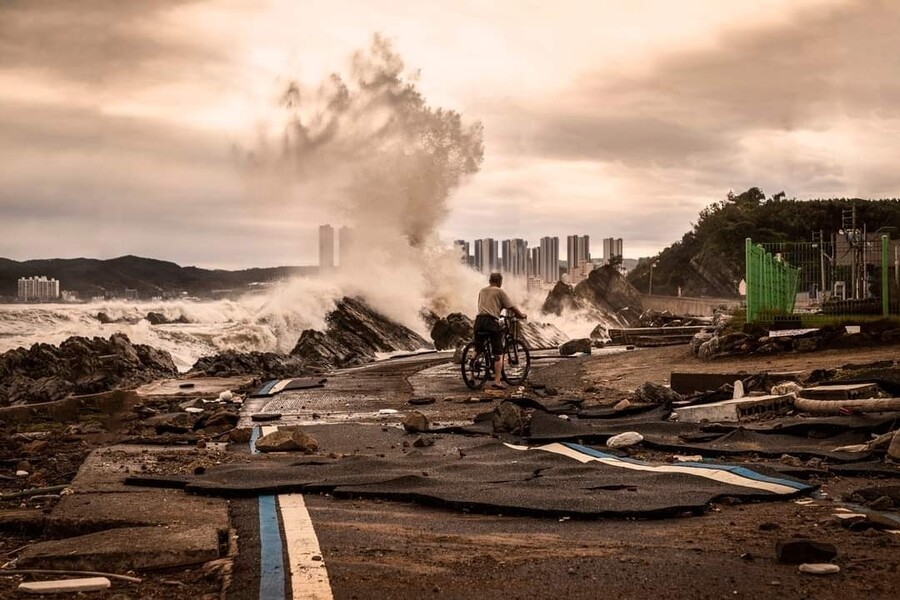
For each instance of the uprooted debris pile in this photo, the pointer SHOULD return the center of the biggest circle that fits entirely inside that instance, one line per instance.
(80, 365)
(665, 318)
(755, 340)
(354, 335)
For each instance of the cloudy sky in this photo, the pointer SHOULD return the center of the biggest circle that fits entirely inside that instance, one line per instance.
(120, 121)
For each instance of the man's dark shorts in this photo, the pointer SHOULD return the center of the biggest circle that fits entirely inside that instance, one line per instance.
(488, 325)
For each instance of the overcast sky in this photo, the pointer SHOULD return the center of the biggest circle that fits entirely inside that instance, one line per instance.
(119, 120)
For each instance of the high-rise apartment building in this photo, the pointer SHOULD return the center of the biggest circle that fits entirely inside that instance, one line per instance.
(515, 257)
(345, 246)
(612, 247)
(326, 248)
(487, 255)
(37, 288)
(578, 251)
(549, 266)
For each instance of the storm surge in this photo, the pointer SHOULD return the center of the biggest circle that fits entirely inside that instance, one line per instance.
(271, 322)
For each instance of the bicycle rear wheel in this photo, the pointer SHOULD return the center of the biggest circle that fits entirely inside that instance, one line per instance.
(516, 363)
(474, 366)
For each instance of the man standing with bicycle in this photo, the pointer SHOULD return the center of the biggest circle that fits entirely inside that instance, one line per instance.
(491, 300)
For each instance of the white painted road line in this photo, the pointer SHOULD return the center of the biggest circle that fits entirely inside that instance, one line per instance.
(309, 577)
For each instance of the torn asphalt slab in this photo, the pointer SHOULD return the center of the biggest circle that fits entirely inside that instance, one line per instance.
(497, 478)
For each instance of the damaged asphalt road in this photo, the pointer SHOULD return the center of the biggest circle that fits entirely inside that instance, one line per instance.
(516, 495)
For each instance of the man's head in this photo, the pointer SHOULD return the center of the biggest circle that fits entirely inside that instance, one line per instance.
(496, 279)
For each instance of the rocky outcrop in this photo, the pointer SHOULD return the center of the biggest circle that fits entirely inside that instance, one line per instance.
(267, 365)
(605, 296)
(607, 289)
(79, 365)
(353, 336)
(157, 318)
(560, 299)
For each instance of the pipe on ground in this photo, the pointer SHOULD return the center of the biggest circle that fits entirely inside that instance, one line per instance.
(834, 407)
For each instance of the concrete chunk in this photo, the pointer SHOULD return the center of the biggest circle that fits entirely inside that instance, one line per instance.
(86, 584)
(734, 410)
(125, 549)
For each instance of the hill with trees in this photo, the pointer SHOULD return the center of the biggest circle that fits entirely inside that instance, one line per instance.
(709, 259)
(92, 277)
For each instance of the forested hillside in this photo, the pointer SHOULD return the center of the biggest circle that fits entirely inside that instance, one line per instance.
(709, 259)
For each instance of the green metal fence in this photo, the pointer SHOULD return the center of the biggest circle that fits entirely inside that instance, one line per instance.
(850, 275)
(771, 282)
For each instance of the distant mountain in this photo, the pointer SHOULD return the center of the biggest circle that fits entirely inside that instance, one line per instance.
(92, 277)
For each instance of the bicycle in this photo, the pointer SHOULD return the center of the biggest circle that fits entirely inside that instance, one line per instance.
(477, 362)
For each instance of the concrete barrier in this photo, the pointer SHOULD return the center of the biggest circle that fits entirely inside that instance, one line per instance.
(687, 306)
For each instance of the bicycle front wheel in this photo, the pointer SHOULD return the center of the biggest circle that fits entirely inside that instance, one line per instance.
(516, 362)
(474, 366)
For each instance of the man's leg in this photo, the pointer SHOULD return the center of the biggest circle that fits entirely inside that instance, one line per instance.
(498, 367)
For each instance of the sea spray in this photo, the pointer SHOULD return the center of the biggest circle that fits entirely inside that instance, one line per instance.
(365, 149)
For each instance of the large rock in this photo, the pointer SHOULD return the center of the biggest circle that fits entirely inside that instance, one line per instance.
(354, 335)
(452, 331)
(575, 346)
(508, 418)
(79, 365)
(415, 422)
(287, 440)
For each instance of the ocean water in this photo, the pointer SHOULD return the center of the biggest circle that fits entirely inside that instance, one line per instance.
(268, 323)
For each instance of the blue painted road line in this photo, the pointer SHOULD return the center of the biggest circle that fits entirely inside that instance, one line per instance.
(271, 552)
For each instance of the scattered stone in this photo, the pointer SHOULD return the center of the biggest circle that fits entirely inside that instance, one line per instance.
(420, 401)
(654, 393)
(304, 442)
(277, 441)
(240, 436)
(819, 568)
(622, 405)
(415, 422)
(802, 550)
(422, 442)
(21, 473)
(226, 396)
(623, 440)
(263, 417)
(508, 418)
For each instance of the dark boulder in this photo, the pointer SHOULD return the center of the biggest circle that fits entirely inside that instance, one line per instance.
(575, 346)
(451, 331)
